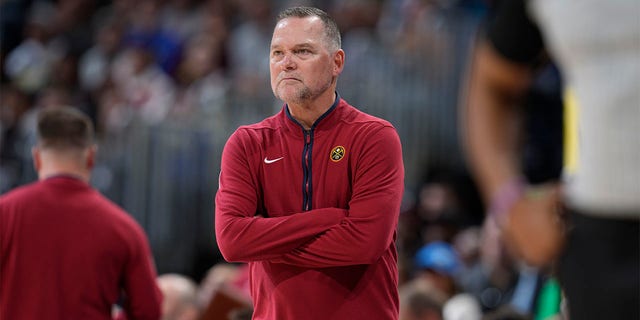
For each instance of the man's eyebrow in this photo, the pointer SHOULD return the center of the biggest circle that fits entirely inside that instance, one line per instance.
(296, 46)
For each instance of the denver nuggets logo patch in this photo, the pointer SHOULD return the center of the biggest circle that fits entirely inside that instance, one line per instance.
(337, 153)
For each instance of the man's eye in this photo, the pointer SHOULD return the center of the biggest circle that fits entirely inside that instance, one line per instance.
(303, 51)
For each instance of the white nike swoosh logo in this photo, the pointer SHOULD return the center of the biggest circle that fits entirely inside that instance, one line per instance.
(268, 161)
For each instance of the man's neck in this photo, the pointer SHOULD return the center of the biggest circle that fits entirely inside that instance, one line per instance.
(52, 170)
(50, 163)
(307, 112)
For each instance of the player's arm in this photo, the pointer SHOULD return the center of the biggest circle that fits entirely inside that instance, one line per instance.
(143, 298)
(492, 123)
(501, 73)
(370, 227)
(491, 120)
(241, 235)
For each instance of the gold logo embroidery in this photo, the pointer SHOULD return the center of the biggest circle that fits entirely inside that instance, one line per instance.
(337, 153)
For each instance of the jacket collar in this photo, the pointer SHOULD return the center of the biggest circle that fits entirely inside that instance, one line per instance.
(324, 121)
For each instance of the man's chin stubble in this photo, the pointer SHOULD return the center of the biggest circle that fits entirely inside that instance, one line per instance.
(297, 97)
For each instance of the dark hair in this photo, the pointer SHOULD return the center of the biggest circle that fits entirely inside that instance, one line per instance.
(64, 128)
(331, 31)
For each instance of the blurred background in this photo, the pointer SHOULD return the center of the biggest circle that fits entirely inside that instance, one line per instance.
(167, 81)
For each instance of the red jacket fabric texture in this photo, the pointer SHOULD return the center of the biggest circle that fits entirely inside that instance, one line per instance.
(70, 253)
(314, 213)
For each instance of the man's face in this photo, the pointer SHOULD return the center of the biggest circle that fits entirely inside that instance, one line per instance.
(302, 68)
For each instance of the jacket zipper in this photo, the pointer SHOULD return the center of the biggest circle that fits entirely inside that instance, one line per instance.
(306, 169)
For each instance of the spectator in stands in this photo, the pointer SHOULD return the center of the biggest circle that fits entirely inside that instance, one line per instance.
(248, 44)
(225, 290)
(420, 300)
(145, 22)
(95, 63)
(438, 263)
(462, 306)
(29, 65)
(66, 252)
(202, 86)
(147, 91)
(179, 297)
(13, 105)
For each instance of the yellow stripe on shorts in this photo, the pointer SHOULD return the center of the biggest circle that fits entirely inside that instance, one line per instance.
(570, 132)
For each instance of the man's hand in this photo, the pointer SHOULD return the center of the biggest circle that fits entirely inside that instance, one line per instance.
(534, 228)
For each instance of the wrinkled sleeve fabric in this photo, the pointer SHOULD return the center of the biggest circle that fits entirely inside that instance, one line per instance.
(369, 229)
(242, 236)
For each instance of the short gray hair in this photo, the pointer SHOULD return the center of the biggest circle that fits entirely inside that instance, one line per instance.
(331, 31)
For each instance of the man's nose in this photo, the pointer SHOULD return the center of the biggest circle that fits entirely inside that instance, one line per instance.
(288, 62)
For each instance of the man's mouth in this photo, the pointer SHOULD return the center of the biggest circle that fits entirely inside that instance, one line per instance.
(289, 77)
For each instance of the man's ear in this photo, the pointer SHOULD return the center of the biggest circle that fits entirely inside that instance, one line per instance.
(37, 161)
(91, 156)
(338, 62)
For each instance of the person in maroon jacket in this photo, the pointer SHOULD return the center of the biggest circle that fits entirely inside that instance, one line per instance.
(66, 251)
(310, 197)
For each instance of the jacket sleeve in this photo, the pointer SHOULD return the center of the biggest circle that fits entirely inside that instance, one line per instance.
(369, 229)
(241, 235)
(143, 298)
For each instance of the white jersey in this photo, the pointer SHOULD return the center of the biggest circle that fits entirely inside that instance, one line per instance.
(597, 46)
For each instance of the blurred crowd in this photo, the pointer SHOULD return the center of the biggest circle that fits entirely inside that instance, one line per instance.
(148, 71)
(153, 62)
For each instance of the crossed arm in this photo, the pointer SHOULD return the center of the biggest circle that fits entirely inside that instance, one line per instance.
(321, 237)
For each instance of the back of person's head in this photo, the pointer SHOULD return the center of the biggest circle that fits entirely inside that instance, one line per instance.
(64, 128)
(462, 306)
(420, 300)
(180, 297)
(438, 262)
(332, 32)
(65, 143)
